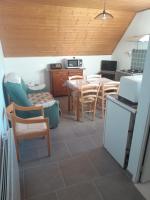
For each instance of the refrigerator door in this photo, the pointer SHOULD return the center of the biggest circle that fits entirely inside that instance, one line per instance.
(116, 133)
(145, 176)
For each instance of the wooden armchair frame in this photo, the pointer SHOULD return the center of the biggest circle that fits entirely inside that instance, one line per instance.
(11, 112)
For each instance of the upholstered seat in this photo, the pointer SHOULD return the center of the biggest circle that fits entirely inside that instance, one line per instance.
(41, 98)
(23, 129)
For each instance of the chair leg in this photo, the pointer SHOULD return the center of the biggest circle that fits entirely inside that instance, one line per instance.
(17, 150)
(103, 108)
(82, 111)
(48, 143)
(94, 111)
(72, 102)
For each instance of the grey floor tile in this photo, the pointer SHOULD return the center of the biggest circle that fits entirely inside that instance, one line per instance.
(84, 191)
(103, 162)
(97, 138)
(31, 157)
(51, 196)
(59, 152)
(80, 145)
(35, 156)
(77, 169)
(63, 133)
(34, 143)
(117, 187)
(42, 179)
(84, 128)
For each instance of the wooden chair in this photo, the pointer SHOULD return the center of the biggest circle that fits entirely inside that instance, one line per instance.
(88, 99)
(93, 77)
(73, 94)
(28, 128)
(107, 88)
(76, 77)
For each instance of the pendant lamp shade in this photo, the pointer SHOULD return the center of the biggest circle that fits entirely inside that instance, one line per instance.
(104, 15)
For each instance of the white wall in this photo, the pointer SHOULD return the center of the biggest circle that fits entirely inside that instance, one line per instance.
(32, 69)
(140, 25)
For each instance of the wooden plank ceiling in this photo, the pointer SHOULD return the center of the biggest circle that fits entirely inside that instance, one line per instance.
(63, 27)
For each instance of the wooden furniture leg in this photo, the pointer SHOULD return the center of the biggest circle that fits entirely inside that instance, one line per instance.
(69, 96)
(48, 143)
(78, 108)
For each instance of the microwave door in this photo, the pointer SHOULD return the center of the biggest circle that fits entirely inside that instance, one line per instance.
(72, 63)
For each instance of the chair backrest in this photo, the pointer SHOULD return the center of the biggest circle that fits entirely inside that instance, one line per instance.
(29, 108)
(111, 87)
(93, 76)
(16, 89)
(76, 77)
(89, 91)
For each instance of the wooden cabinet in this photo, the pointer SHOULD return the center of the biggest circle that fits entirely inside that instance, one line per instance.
(72, 72)
(58, 78)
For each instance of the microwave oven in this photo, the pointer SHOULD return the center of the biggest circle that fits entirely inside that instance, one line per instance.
(72, 63)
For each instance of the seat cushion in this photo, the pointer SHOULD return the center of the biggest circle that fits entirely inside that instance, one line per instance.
(41, 98)
(17, 94)
(23, 129)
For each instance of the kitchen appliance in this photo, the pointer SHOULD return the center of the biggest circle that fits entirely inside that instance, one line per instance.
(130, 87)
(132, 71)
(72, 63)
(55, 66)
(127, 72)
(108, 68)
(118, 130)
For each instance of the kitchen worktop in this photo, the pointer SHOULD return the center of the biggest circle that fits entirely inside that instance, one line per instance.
(123, 103)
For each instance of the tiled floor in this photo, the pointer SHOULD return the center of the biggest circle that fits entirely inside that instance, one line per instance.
(79, 167)
(144, 188)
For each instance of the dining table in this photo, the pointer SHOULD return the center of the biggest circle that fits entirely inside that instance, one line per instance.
(75, 86)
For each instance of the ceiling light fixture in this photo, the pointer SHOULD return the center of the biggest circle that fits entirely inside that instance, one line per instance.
(104, 15)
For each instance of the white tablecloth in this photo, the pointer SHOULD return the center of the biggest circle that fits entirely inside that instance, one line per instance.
(76, 84)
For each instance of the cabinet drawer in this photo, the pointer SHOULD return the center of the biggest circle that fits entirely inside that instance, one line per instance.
(60, 92)
(73, 72)
(60, 73)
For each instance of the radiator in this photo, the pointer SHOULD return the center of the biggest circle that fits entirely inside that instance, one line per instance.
(9, 181)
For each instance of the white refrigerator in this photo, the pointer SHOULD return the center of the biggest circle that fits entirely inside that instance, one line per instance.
(118, 129)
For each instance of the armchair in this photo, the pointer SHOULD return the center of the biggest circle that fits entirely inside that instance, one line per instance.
(19, 93)
(30, 127)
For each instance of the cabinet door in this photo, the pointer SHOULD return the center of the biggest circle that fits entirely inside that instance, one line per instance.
(73, 72)
(117, 122)
(59, 78)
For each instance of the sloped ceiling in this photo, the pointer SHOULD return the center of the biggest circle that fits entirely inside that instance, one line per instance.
(63, 27)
